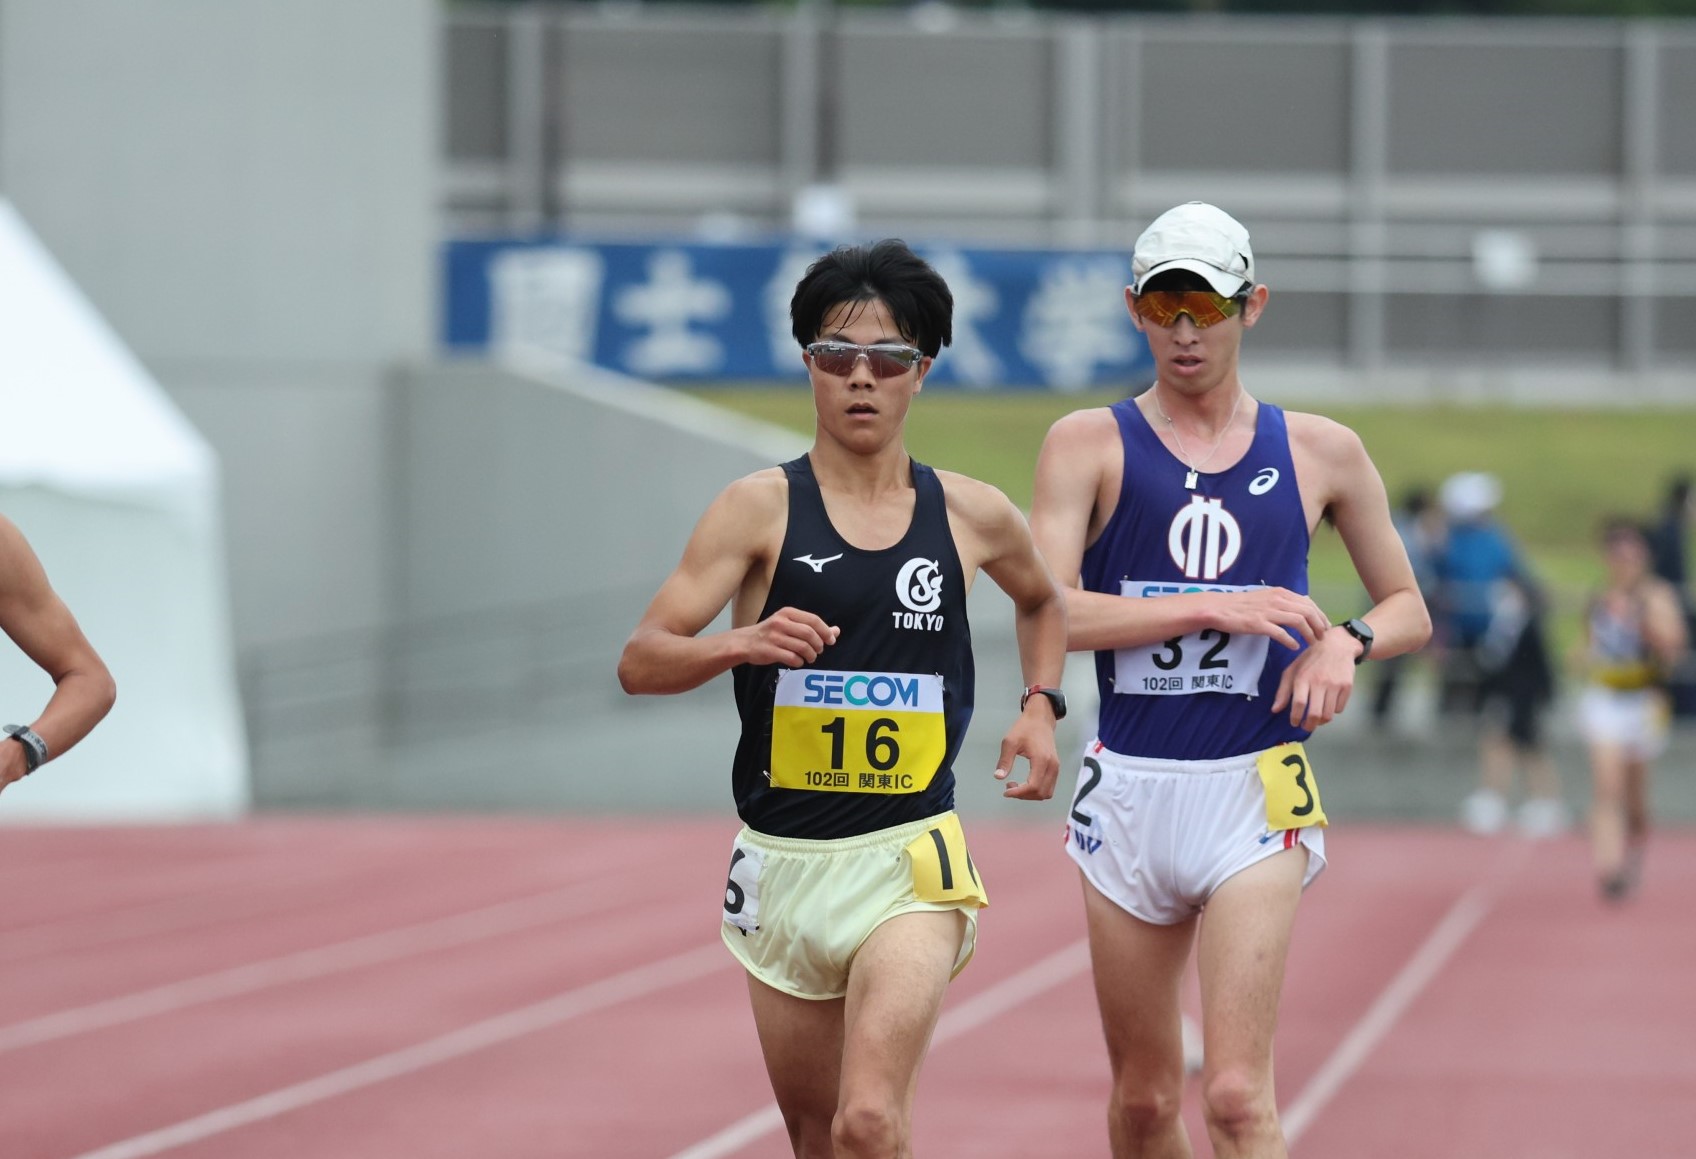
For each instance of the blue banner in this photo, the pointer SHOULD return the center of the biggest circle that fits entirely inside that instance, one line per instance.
(720, 313)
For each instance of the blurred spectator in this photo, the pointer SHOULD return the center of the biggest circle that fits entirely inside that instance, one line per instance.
(1669, 544)
(1490, 617)
(1669, 539)
(1634, 634)
(1419, 521)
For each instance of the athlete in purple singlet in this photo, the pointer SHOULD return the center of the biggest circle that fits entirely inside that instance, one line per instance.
(1179, 524)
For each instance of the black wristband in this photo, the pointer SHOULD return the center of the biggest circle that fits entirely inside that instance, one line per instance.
(1361, 631)
(1056, 699)
(35, 749)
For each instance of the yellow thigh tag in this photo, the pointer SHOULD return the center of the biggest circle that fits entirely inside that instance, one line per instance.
(857, 732)
(1292, 793)
(942, 869)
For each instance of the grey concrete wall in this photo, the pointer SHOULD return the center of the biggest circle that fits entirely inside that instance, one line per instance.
(246, 190)
(531, 518)
(536, 513)
(564, 482)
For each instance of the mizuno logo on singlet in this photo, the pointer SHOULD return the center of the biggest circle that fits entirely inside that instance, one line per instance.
(817, 564)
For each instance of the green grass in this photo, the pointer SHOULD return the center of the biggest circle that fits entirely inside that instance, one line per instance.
(1561, 470)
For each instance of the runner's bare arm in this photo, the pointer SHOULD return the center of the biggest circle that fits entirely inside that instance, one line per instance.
(40, 624)
(1076, 475)
(1336, 473)
(1663, 624)
(740, 531)
(998, 540)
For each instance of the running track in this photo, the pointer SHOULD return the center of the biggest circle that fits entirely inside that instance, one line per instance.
(391, 987)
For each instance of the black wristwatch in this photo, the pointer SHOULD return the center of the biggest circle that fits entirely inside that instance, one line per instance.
(35, 749)
(1361, 631)
(1055, 698)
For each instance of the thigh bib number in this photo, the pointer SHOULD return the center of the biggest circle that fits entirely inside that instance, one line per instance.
(857, 732)
(942, 869)
(1292, 794)
(742, 888)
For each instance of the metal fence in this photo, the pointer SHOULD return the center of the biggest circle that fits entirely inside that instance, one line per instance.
(1420, 192)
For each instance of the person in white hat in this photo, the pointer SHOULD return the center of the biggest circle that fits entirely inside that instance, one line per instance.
(1496, 662)
(1178, 523)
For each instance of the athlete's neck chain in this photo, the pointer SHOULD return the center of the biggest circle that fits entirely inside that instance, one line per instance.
(1193, 476)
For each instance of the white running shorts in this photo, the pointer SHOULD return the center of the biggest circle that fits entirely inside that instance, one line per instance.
(1157, 837)
(1635, 720)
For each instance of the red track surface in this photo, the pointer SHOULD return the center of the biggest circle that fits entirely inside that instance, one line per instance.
(421, 988)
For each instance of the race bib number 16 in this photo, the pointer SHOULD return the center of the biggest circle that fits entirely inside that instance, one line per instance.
(857, 732)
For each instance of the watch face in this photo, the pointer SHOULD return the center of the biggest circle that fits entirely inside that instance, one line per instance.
(1056, 699)
(1361, 631)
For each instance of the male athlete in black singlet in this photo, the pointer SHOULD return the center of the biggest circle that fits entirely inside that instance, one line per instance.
(851, 899)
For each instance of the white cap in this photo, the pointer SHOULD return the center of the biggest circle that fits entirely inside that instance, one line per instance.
(1198, 237)
(1469, 495)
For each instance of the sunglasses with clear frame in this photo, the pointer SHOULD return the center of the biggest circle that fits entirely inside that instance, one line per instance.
(885, 360)
(1205, 308)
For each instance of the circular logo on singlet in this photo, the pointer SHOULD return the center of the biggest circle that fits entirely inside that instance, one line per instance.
(1204, 539)
(1264, 481)
(919, 585)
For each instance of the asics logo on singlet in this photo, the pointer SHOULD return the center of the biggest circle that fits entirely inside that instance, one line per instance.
(817, 564)
(1205, 539)
(1264, 480)
(919, 588)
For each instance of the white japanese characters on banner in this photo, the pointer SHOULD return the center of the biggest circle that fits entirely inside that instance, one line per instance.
(720, 313)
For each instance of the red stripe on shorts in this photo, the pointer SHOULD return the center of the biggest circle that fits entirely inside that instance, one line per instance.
(1291, 836)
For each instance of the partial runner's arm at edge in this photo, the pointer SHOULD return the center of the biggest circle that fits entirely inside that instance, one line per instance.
(40, 624)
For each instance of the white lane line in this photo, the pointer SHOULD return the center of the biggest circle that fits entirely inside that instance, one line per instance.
(371, 949)
(1060, 966)
(596, 996)
(1426, 963)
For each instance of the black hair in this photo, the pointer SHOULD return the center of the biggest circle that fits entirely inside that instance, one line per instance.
(1623, 527)
(917, 298)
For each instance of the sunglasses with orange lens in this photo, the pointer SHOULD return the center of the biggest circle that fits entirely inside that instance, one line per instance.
(887, 360)
(1205, 308)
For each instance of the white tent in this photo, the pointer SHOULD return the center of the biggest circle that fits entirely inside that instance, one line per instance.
(117, 493)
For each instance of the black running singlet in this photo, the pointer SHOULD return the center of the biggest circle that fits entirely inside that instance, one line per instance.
(865, 736)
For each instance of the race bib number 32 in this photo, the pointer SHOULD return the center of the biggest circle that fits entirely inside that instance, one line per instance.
(857, 732)
(1204, 661)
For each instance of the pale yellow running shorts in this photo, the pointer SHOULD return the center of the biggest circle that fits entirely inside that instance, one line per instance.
(796, 911)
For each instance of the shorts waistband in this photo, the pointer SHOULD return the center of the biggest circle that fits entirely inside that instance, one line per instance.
(1237, 764)
(902, 833)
